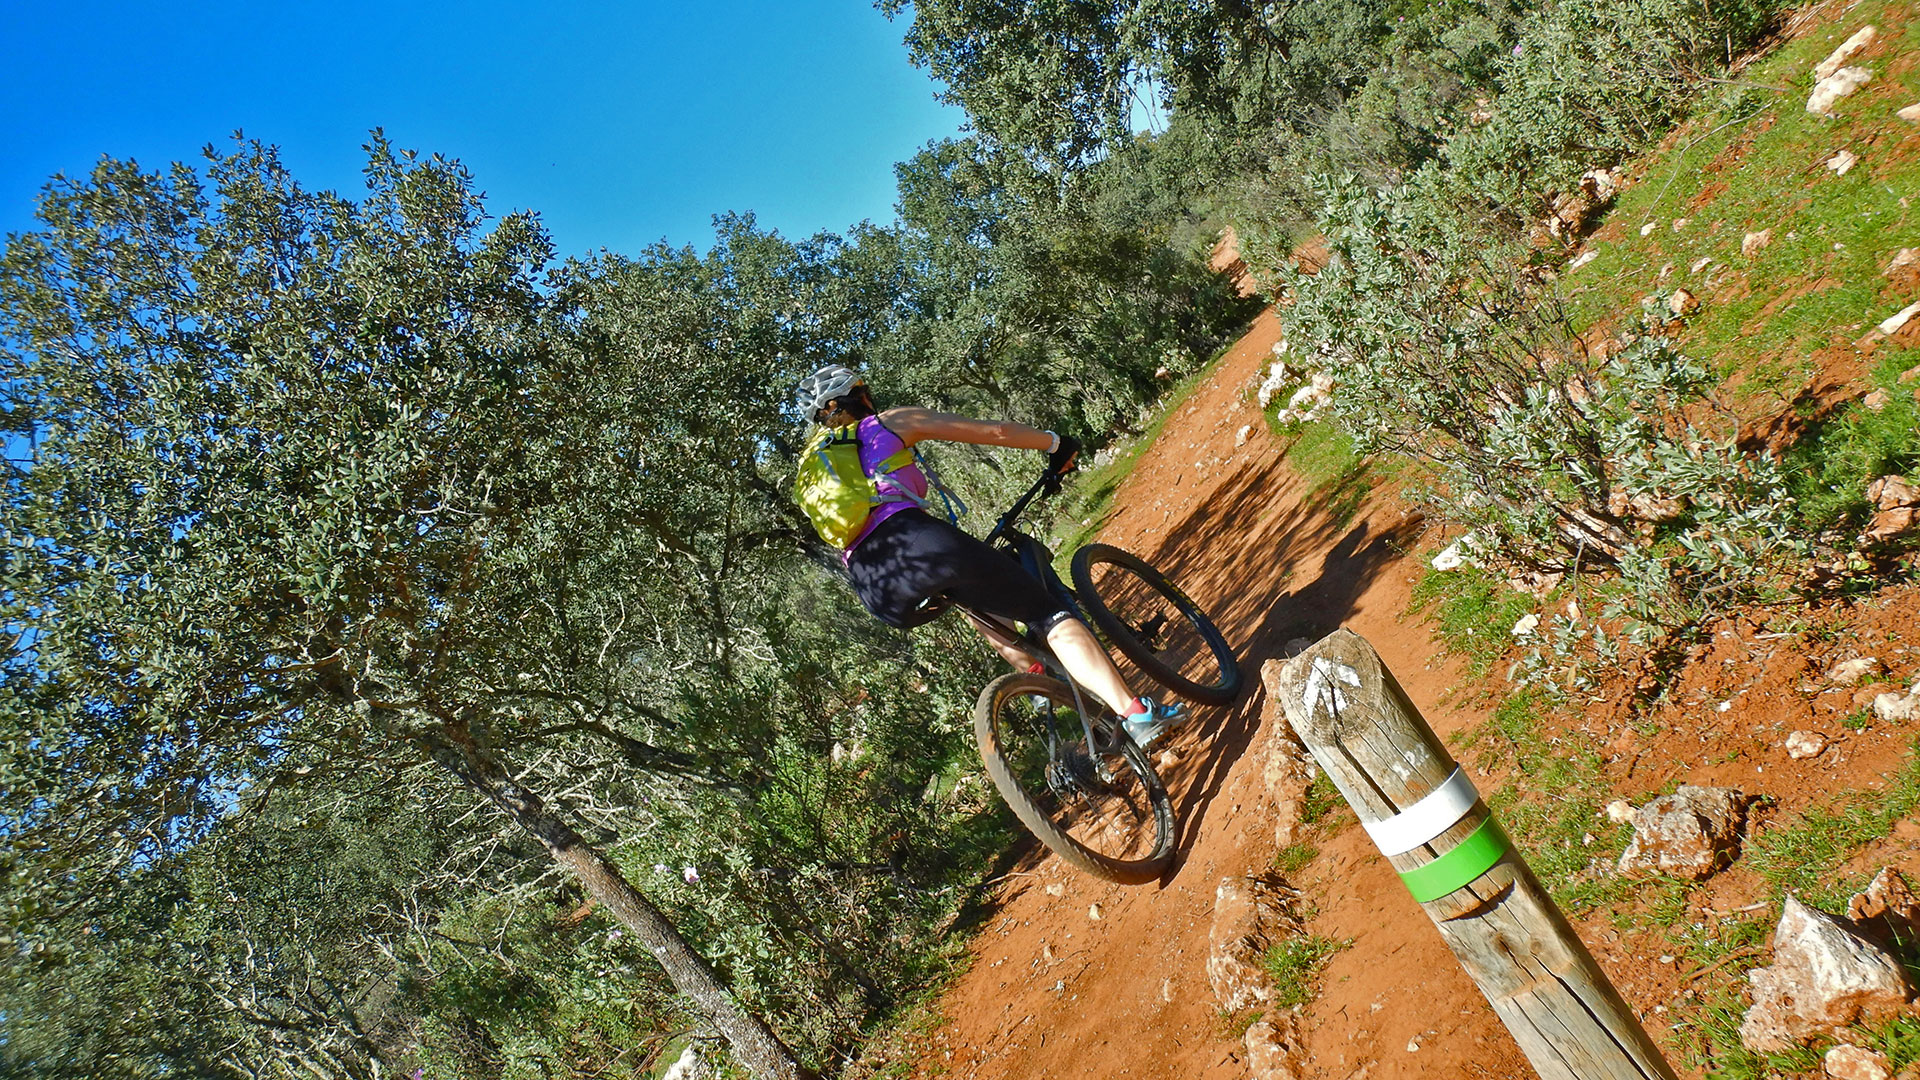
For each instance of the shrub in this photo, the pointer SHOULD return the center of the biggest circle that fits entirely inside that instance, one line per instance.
(1557, 452)
(1635, 64)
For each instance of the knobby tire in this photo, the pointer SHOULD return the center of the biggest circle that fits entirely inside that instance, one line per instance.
(1017, 769)
(1110, 611)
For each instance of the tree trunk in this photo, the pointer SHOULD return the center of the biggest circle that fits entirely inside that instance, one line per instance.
(754, 1043)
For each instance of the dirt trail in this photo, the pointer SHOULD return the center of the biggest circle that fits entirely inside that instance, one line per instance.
(1053, 991)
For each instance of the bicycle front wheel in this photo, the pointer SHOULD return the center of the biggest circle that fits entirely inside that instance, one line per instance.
(1155, 625)
(1099, 807)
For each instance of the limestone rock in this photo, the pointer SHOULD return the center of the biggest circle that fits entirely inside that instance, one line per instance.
(1286, 768)
(1888, 524)
(1824, 977)
(1910, 113)
(1582, 259)
(1840, 84)
(1843, 161)
(1805, 744)
(1888, 492)
(1248, 919)
(1903, 257)
(1755, 241)
(1888, 907)
(1683, 302)
(1240, 437)
(1836, 59)
(1876, 400)
(1619, 811)
(1271, 1050)
(1526, 626)
(1897, 708)
(1891, 324)
(1849, 1062)
(1850, 672)
(1689, 834)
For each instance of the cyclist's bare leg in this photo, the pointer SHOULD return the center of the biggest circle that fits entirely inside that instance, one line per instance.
(1017, 657)
(1080, 653)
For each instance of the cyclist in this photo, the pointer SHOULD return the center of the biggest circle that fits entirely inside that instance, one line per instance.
(904, 556)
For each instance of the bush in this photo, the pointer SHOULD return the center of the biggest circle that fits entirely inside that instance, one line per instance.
(1635, 64)
(1556, 452)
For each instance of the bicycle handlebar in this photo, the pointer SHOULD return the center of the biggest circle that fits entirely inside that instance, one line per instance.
(1019, 506)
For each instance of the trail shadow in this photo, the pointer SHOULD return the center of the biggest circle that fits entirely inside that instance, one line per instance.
(1240, 551)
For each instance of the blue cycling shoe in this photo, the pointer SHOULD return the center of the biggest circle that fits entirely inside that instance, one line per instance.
(1152, 721)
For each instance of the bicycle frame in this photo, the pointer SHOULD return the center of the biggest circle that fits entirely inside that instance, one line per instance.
(1037, 560)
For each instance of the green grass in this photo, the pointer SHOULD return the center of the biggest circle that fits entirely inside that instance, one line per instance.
(1473, 614)
(1752, 159)
(1804, 857)
(1323, 801)
(1294, 858)
(1295, 966)
(1826, 469)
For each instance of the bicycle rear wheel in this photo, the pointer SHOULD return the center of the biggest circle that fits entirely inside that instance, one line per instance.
(1101, 808)
(1155, 625)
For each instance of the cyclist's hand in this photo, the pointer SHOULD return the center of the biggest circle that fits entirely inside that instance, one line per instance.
(1062, 461)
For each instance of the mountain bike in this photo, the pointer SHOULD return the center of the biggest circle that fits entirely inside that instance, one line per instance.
(1057, 754)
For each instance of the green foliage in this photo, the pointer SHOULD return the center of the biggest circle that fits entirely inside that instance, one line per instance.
(1295, 964)
(1556, 453)
(1637, 64)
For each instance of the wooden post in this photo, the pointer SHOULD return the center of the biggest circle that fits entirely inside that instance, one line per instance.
(1437, 832)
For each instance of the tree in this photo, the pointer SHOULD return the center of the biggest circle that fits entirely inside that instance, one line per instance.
(303, 485)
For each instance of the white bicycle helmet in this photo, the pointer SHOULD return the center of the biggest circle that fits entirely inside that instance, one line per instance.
(830, 382)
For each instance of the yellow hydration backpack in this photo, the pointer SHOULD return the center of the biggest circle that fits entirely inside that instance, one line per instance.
(837, 493)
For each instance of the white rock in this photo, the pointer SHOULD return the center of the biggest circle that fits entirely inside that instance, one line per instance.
(1246, 923)
(1898, 319)
(1647, 229)
(1754, 241)
(1840, 84)
(1903, 257)
(1894, 708)
(1823, 978)
(1240, 437)
(1836, 59)
(1849, 1062)
(1683, 302)
(1270, 1049)
(1849, 672)
(1842, 161)
(1688, 834)
(1699, 264)
(1681, 223)
(1093, 912)
(1619, 811)
(1056, 889)
(686, 1067)
(1456, 554)
(1526, 626)
(1582, 259)
(1805, 744)
(1910, 113)
(1280, 347)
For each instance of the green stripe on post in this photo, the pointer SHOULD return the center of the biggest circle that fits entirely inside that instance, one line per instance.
(1458, 868)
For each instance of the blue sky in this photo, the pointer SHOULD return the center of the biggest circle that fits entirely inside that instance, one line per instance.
(622, 124)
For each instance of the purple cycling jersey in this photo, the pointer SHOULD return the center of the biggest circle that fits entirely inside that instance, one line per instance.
(877, 444)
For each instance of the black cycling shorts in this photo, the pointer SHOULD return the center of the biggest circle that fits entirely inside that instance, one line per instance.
(914, 555)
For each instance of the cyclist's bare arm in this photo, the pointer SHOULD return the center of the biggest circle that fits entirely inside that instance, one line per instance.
(914, 424)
